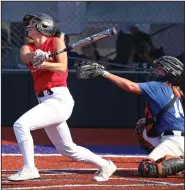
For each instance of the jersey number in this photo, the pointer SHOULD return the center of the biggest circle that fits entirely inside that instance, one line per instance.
(178, 109)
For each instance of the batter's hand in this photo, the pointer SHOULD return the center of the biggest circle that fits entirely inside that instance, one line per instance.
(39, 58)
(36, 63)
(41, 55)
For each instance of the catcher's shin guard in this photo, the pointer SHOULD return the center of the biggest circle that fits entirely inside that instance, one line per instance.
(163, 167)
(169, 165)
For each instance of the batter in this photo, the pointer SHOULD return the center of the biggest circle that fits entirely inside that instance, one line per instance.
(55, 101)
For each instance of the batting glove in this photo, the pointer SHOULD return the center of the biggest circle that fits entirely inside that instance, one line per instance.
(36, 63)
(41, 55)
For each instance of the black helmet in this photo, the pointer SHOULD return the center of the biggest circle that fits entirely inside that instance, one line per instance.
(46, 26)
(168, 68)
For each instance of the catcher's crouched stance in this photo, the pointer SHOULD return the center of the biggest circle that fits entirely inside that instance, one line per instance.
(164, 144)
(163, 167)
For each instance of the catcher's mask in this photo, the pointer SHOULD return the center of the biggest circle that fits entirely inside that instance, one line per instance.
(167, 69)
(46, 24)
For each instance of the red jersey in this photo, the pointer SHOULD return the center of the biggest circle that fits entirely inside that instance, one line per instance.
(46, 79)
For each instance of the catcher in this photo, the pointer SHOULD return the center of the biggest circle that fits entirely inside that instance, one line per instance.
(161, 132)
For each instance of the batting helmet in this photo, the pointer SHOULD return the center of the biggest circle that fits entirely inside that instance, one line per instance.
(46, 25)
(167, 68)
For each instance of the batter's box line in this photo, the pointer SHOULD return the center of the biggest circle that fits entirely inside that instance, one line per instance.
(103, 155)
(61, 172)
(87, 185)
(146, 180)
(68, 170)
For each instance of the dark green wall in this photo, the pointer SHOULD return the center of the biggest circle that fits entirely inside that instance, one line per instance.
(98, 102)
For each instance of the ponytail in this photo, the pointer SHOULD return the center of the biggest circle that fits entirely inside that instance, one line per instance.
(178, 92)
(57, 33)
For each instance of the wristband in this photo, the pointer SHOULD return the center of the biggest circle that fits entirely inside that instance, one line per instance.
(105, 73)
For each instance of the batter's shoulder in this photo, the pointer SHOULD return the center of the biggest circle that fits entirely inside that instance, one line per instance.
(55, 38)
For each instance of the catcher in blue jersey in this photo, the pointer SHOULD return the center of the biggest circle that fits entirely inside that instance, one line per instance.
(161, 132)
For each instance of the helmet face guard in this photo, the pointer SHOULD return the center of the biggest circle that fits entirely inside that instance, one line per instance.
(46, 24)
(158, 73)
(27, 26)
(167, 69)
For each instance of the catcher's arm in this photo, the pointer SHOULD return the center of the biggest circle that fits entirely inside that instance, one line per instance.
(88, 69)
(123, 83)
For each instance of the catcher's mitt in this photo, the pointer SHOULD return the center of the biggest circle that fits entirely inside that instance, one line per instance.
(88, 70)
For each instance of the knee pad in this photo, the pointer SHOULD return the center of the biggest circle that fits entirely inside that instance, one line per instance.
(163, 167)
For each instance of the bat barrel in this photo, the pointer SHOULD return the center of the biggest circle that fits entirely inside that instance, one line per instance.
(86, 41)
(112, 31)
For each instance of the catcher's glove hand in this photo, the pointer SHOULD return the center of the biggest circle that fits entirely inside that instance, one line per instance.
(88, 70)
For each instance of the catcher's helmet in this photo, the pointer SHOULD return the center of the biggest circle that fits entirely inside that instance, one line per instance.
(167, 68)
(46, 25)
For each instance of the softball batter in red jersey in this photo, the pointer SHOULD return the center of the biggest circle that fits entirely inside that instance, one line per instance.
(55, 101)
(46, 79)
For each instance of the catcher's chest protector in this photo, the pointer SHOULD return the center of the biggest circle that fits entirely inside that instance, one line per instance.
(150, 122)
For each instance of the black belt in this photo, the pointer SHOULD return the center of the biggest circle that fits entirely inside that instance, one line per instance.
(41, 94)
(172, 133)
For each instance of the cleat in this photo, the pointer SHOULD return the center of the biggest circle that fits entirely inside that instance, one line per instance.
(104, 173)
(25, 174)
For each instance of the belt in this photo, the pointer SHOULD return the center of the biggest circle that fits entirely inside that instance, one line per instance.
(44, 93)
(173, 133)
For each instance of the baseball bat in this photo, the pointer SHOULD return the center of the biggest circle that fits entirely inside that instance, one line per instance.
(88, 40)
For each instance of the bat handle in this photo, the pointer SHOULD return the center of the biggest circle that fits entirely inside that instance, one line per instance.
(53, 54)
(64, 50)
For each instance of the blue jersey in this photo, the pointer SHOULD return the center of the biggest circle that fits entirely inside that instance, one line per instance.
(159, 94)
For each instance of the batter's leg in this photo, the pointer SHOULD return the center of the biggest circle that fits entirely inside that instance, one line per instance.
(49, 113)
(61, 138)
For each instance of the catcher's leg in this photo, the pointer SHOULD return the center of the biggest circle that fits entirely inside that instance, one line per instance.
(163, 167)
(159, 163)
(170, 145)
(146, 142)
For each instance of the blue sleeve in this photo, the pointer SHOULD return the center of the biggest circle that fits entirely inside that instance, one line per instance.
(149, 89)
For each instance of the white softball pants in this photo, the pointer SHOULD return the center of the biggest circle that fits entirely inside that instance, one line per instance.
(51, 114)
(165, 145)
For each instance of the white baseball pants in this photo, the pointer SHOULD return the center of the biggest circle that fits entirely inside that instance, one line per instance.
(165, 145)
(51, 114)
